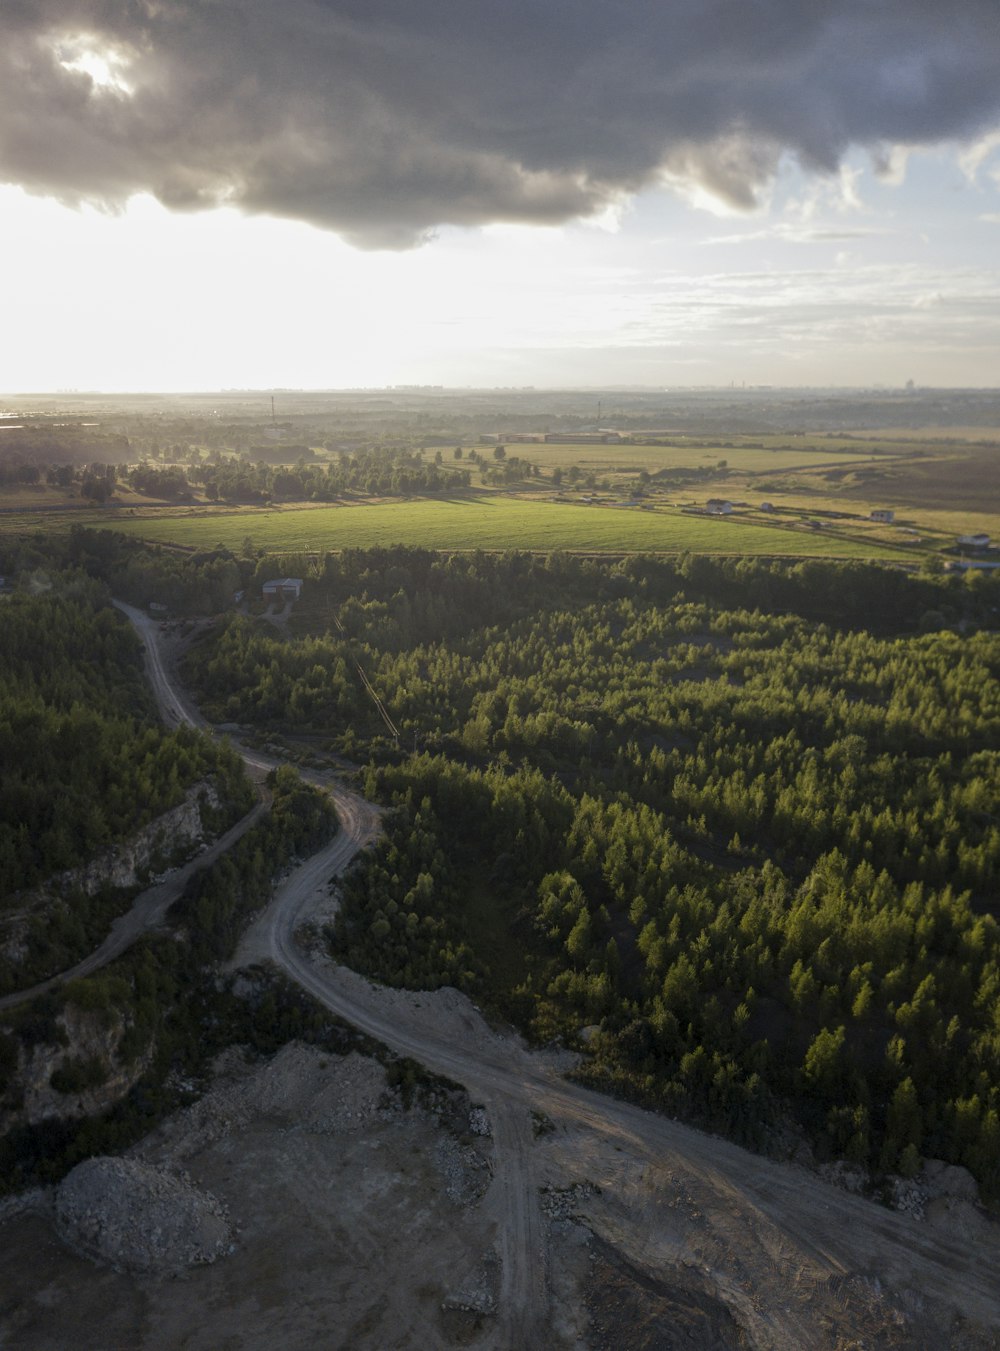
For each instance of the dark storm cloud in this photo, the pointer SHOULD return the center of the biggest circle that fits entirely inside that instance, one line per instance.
(383, 120)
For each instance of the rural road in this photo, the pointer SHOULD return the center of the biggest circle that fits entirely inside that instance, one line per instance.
(777, 1242)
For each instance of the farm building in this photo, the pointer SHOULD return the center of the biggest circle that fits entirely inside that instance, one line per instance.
(974, 541)
(283, 588)
(718, 506)
(767, 506)
(883, 514)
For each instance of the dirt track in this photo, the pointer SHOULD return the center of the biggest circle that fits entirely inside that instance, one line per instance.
(791, 1261)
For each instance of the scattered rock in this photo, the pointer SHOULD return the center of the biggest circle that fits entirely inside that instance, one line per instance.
(465, 1172)
(850, 1177)
(907, 1196)
(314, 1089)
(563, 1203)
(479, 1122)
(478, 1293)
(542, 1124)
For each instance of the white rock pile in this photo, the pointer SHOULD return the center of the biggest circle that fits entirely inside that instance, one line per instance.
(139, 1217)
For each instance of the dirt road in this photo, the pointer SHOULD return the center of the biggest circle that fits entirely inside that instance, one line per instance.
(798, 1262)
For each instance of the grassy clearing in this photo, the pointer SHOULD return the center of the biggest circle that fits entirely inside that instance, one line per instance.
(491, 523)
(684, 453)
(46, 499)
(26, 496)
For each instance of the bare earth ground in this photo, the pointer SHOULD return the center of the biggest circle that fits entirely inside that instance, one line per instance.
(358, 1224)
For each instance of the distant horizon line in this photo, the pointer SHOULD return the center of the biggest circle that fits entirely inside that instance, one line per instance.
(881, 388)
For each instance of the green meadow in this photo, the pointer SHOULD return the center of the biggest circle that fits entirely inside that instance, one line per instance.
(489, 522)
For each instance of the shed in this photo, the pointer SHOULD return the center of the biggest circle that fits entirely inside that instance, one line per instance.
(283, 588)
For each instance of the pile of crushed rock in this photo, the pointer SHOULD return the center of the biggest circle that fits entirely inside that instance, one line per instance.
(312, 1090)
(139, 1217)
(463, 1169)
(479, 1291)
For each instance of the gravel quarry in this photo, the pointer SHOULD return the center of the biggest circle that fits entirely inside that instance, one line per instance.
(299, 1203)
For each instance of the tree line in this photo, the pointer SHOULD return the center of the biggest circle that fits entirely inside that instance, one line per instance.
(379, 471)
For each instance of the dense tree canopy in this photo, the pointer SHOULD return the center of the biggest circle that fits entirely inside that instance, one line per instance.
(84, 760)
(740, 817)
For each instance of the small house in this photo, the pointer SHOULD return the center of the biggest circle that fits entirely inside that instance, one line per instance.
(718, 506)
(767, 506)
(974, 541)
(283, 588)
(882, 514)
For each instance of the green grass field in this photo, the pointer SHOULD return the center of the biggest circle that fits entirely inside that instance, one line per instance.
(484, 522)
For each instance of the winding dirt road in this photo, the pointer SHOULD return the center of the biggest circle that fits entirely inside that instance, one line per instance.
(799, 1263)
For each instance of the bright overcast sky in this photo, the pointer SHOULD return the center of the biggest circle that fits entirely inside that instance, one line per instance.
(325, 193)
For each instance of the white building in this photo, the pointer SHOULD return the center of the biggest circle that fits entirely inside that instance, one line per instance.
(883, 514)
(974, 541)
